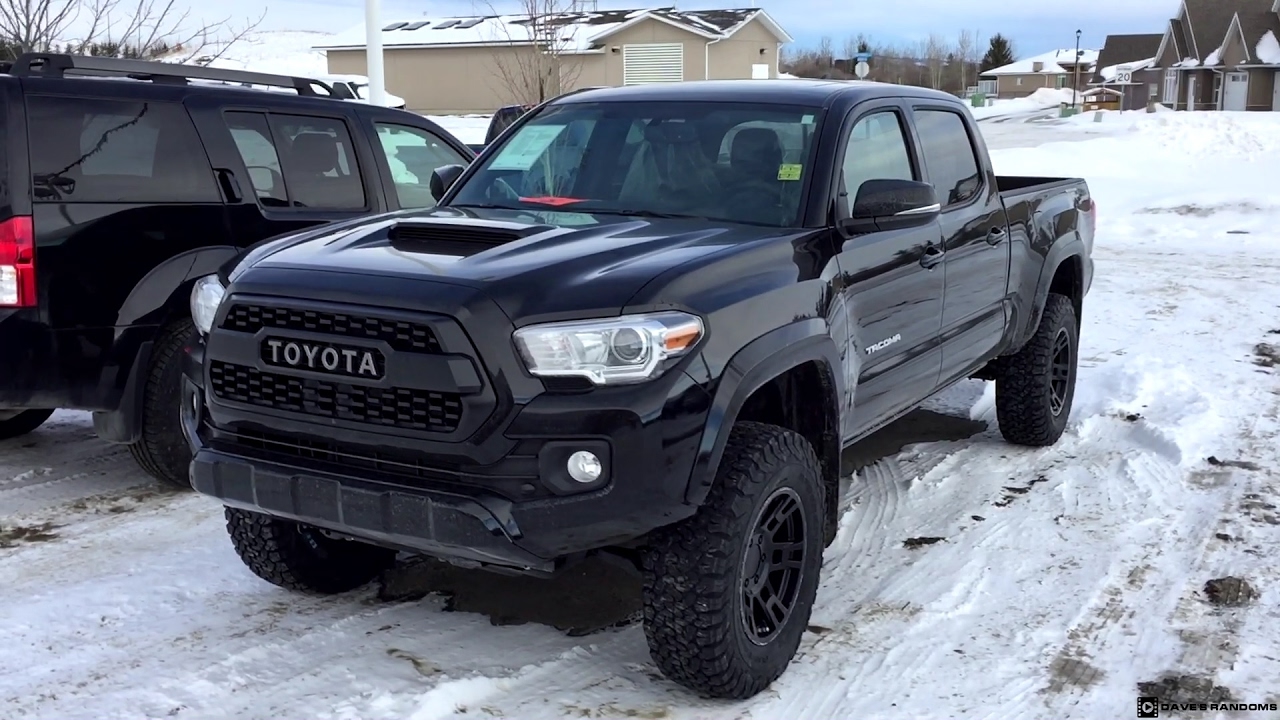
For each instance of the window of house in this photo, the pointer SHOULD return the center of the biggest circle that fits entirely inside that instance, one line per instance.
(1017, 81)
(949, 156)
(412, 155)
(1170, 87)
(92, 150)
(876, 150)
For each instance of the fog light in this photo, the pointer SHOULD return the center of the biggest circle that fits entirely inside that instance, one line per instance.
(585, 467)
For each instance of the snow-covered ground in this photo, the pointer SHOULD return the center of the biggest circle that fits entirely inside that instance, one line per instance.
(1036, 583)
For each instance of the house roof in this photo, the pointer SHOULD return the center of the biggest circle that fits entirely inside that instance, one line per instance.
(574, 31)
(1125, 50)
(1054, 62)
(1209, 23)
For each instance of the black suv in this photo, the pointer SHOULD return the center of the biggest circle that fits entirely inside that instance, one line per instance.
(117, 195)
(645, 322)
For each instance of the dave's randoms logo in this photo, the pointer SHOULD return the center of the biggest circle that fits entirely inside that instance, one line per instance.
(1148, 707)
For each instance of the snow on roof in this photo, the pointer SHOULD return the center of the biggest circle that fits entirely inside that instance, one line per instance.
(1268, 49)
(574, 31)
(1053, 63)
(1214, 58)
(1109, 72)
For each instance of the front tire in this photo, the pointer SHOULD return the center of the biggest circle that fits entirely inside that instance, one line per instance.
(728, 592)
(300, 558)
(1038, 384)
(22, 423)
(162, 451)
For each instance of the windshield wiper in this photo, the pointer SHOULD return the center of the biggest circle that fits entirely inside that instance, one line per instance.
(488, 206)
(642, 213)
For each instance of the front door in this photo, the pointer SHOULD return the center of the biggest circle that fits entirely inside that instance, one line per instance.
(1236, 95)
(1275, 93)
(1191, 92)
(975, 238)
(891, 282)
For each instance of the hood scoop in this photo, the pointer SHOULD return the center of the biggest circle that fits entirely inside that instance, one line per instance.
(462, 239)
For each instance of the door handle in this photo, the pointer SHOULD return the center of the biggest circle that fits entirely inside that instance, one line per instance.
(230, 186)
(933, 255)
(996, 235)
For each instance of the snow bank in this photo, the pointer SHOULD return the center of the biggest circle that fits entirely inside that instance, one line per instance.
(1042, 99)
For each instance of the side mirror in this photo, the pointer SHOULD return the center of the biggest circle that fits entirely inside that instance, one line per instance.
(444, 177)
(894, 204)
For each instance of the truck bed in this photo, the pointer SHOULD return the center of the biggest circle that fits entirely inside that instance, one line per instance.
(1013, 185)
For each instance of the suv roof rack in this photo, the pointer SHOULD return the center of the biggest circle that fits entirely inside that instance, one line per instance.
(59, 64)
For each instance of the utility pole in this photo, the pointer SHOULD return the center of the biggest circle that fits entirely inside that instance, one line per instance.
(373, 52)
(1075, 86)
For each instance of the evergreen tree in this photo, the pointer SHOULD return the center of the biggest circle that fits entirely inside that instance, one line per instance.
(999, 53)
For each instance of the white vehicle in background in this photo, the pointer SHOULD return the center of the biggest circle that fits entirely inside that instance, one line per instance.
(356, 87)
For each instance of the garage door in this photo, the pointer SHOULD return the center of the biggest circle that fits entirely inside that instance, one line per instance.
(1236, 95)
(652, 63)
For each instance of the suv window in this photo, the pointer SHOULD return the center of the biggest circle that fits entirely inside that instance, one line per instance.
(653, 157)
(412, 154)
(319, 162)
(949, 155)
(91, 150)
(876, 150)
(253, 139)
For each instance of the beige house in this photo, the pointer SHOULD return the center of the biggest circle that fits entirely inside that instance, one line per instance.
(1054, 69)
(477, 64)
(1221, 55)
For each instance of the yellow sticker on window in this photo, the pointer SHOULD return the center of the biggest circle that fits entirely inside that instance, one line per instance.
(789, 171)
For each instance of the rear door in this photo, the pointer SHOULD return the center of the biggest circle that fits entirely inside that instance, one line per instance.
(974, 231)
(286, 168)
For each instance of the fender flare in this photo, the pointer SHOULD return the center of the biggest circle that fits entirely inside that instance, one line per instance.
(149, 306)
(1066, 248)
(760, 361)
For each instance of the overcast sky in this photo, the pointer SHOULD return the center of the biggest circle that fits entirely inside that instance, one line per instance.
(1035, 27)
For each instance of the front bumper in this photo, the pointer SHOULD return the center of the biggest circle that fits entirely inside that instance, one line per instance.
(501, 496)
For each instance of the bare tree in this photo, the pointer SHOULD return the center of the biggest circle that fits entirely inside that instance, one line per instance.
(140, 28)
(826, 53)
(935, 57)
(537, 63)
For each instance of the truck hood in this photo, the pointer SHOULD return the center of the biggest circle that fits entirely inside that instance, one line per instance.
(535, 265)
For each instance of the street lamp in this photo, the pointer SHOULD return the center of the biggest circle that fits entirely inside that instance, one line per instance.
(1075, 85)
(373, 52)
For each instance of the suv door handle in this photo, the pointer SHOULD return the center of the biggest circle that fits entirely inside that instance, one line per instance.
(933, 255)
(996, 235)
(230, 186)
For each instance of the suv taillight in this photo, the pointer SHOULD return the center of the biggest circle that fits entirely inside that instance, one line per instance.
(17, 263)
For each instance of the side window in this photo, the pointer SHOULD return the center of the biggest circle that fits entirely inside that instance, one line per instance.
(949, 155)
(253, 140)
(90, 150)
(319, 162)
(412, 154)
(877, 150)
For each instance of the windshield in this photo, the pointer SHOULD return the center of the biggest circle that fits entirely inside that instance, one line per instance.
(720, 161)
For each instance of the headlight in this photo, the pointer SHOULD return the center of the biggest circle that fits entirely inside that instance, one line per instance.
(614, 351)
(206, 296)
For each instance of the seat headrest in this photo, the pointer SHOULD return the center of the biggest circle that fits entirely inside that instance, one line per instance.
(315, 152)
(757, 146)
(671, 133)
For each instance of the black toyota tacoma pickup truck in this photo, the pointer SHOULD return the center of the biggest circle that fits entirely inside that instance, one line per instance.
(645, 322)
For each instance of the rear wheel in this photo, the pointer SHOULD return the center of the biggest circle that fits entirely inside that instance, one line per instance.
(299, 557)
(162, 451)
(16, 423)
(1037, 385)
(728, 592)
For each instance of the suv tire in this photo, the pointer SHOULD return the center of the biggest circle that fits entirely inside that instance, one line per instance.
(162, 451)
(1037, 385)
(23, 423)
(299, 557)
(699, 574)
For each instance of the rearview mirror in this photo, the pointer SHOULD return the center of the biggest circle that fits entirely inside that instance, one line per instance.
(444, 177)
(892, 204)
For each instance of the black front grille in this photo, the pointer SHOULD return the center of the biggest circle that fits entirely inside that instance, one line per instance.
(406, 408)
(402, 336)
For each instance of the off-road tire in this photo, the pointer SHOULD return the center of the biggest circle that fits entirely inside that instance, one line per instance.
(694, 571)
(298, 557)
(162, 451)
(23, 423)
(1024, 408)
